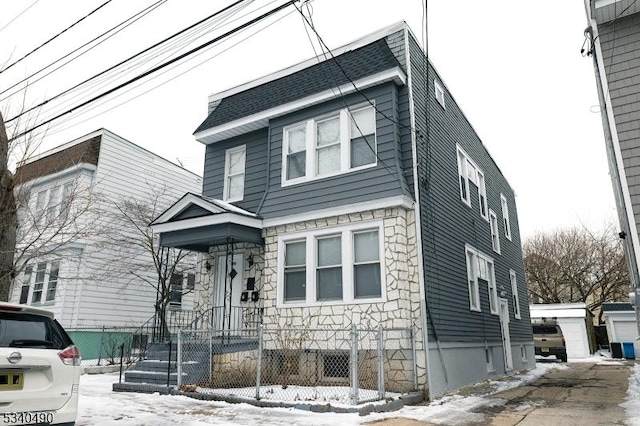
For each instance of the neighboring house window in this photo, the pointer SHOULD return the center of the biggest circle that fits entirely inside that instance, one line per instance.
(41, 200)
(26, 284)
(439, 93)
(52, 284)
(330, 145)
(482, 196)
(514, 292)
(505, 216)
(295, 271)
(65, 202)
(480, 270)
(175, 287)
(344, 265)
(52, 204)
(234, 173)
(495, 235)
(38, 286)
(191, 281)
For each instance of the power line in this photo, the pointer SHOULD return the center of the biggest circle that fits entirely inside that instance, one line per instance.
(57, 35)
(151, 71)
(126, 60)
(19, 15)
(124, 24)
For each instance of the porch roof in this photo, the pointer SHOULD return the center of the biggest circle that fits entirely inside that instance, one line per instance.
(196, 223)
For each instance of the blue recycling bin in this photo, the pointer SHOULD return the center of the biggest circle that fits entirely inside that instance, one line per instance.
(629, 353)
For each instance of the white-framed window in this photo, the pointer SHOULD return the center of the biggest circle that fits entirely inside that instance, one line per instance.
(42, 283)
(463, 176)
(514, 292)
(336, 143)
(439, 93)
(234, 169)
(505, 216)
(495, 235)
(66, 200)
(480, 270)
(41, 200)
(331, 265)
(482, 196)
(53, 204)
(175, 289)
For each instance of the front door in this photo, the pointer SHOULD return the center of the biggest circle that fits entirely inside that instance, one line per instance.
(228, 288)
(506, 337)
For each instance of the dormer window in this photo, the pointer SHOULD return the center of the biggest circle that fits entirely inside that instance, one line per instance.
(329, 145)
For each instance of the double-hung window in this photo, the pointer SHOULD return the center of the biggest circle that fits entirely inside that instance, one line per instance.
(505, 216)
(26, 284)
(45, 283)
(482, 196)
(336, 265)
(52, 283)
(234, 170)
(514, 293)
(495, 235)
(469, 172)
(332, 144)
(175, 289)
(480, 270)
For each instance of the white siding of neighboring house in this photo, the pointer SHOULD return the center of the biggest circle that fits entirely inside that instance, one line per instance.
(124, 170)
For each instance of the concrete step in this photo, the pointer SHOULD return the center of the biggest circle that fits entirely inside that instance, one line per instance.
(151, 377)
(155, 365)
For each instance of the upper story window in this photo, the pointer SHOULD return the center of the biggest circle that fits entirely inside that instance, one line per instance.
(505, 216)
(439, 93)
(480, 270)
(469, 172)
(337, 265)
(329, 145)
(53, 204)
(495, 235)
(234, 169)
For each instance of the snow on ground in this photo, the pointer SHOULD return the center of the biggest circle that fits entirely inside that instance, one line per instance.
(632, 403)
(100, 406)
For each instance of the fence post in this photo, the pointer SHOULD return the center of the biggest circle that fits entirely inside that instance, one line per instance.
(100, 350)
(259, 368)
(169, 366)
(380, 361)
(179, 359)
(412, 336)
(354, 365)
(210, 355)
(121, 356)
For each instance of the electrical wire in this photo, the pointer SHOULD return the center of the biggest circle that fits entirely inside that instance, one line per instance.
(157, 68)
(19, 15)
(57, 35)
(124, 24)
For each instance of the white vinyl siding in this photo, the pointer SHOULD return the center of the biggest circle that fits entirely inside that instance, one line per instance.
(331, 266)
(329, 145)
(234, 168)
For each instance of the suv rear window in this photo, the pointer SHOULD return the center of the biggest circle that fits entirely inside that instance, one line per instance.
(545, 329)
(31, 331)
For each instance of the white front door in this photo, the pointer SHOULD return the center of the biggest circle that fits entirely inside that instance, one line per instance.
(226, 297)
(506, 337)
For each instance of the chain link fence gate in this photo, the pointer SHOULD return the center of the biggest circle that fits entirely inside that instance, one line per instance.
(349, 366)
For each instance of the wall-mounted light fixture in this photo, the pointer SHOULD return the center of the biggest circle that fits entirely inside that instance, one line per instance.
(207, 265)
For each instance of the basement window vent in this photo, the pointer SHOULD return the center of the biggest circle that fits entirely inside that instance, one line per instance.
(439, 93)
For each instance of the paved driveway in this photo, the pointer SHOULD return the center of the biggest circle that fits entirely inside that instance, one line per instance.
(584, 394)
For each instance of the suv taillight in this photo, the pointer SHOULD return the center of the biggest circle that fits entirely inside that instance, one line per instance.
(70, 356)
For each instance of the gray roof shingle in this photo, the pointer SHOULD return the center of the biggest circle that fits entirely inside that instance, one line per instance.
(359, 63)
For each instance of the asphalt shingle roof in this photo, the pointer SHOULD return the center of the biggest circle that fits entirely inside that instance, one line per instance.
(359, 63)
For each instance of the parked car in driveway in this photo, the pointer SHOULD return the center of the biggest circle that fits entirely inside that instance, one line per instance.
(39, 368)
(548, 339)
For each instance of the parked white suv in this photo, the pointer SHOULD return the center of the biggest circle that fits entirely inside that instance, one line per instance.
(39, 368)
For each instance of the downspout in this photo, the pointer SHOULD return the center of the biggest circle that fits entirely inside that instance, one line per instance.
(417, 220)
(616, 165)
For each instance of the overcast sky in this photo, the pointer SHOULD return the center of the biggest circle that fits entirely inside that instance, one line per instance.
(514, 67)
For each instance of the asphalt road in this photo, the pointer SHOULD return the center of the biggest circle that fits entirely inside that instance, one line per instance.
(584, 394)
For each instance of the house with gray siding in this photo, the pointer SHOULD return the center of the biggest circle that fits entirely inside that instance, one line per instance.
(351, 190)
(614, 35)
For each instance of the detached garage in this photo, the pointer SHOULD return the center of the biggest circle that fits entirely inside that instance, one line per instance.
(576, 323)
(620, 319)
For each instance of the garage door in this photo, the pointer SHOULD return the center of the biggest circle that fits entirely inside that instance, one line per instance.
(575, 335)
(625, 331)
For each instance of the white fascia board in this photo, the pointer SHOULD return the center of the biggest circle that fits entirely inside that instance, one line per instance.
(362, 41)
(230, 207)
(218, 133)
(182, 204)
(199, 222)
(558, 313)
(399, 201)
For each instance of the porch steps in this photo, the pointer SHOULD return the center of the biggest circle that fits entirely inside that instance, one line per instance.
(151, 375)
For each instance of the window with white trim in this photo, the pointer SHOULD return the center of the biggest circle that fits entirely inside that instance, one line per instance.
(480, 270)
(463, 176)
(495, 235)
(45, 282)
(505, 216)
(234, 170)
(439, 93)
(53, 204)
(332, 144)
(331, 265)
(514, 293)
(175, 290)
(482, 196)
(469, 172)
